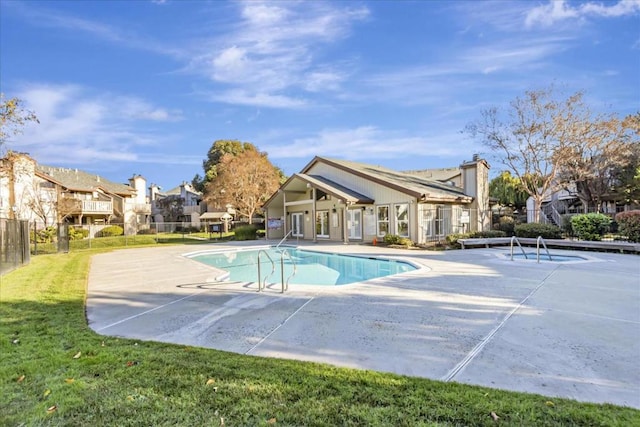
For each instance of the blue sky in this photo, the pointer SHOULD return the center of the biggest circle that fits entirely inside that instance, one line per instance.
(145, 87)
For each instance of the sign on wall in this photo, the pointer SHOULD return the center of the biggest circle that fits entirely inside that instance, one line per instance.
(274, 223)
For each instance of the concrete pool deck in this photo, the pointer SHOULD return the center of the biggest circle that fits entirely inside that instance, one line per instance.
(558, 329)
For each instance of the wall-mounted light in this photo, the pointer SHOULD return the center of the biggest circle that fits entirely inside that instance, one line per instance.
(334, 210)
(306, 212)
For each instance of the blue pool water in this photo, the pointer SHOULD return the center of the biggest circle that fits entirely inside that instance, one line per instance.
(545, 257)
(312, 268)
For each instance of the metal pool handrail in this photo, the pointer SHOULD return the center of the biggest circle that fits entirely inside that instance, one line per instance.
(284, 238)
(285, 285)
(538, 241)
(515, 239)
(273, 269)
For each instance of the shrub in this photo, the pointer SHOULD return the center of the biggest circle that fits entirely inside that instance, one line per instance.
(566, 225)
(488, 234)
(452, 239)
(46, 235)
(506, 224)
(533, 230)
(246, 232)
(110, 231)
(78, 233)
(591, 226)
(394, 239)
(629, 224)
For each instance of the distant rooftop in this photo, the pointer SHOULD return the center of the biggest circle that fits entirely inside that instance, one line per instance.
(77, 180)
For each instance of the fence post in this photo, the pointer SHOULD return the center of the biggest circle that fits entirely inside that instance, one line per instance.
(35, 238)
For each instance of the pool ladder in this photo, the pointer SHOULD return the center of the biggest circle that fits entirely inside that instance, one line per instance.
(285, 283)
(539, 241)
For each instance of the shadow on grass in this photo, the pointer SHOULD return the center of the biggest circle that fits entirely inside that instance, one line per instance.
(51, 358)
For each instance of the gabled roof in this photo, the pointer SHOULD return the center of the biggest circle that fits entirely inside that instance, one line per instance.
(178, 190)
(213, 215)
(335, 189)
(77, 180)
(416, 186)
(442, 175)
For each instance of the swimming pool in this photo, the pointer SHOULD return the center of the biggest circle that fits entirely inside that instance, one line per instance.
(311, 268)
(531, 256)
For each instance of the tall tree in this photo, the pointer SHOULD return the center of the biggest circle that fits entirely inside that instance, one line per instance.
(601, 146)
(245, 181)
(172, 207)
(627, 178)
(13, 117)
(530, 143)
(508, 190)
(219, 149)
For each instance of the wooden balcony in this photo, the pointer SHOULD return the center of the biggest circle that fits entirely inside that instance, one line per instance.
(85, 207)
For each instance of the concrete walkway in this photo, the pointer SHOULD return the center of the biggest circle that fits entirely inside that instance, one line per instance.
(473, 316)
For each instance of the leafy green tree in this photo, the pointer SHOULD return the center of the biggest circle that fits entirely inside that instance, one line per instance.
(244, 181)
(219, 149)
(508, 190)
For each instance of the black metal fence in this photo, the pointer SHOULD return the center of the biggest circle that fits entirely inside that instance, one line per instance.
(14, 244)
(72, 237)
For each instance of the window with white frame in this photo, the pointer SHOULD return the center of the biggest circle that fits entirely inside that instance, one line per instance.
(322, 223)
(382, 220)
(402, 219)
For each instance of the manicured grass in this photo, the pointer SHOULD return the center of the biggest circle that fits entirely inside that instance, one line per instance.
(55, 371)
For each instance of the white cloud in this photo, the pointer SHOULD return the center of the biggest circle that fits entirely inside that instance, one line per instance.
(258, 99)
(272, 49)
(463, 74)
(560, 10)
(366, 142)
(81, 127)
(136, 109)
(323, 80)
(50, 18)
(263, 14)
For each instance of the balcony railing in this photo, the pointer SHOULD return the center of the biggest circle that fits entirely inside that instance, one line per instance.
(142, 208)
(96, 206)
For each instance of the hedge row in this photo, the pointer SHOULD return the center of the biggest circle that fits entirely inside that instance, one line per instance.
(452, 239)
(629, 224)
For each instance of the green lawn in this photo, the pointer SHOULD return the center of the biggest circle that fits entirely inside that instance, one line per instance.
(55, 371)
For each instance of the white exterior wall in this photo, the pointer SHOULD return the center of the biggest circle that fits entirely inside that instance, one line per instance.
(27, 192)
(382, 195)
(475, 178)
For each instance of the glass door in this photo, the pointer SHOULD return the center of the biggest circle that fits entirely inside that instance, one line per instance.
(354, 218)
(322, 224)
(296, 224)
